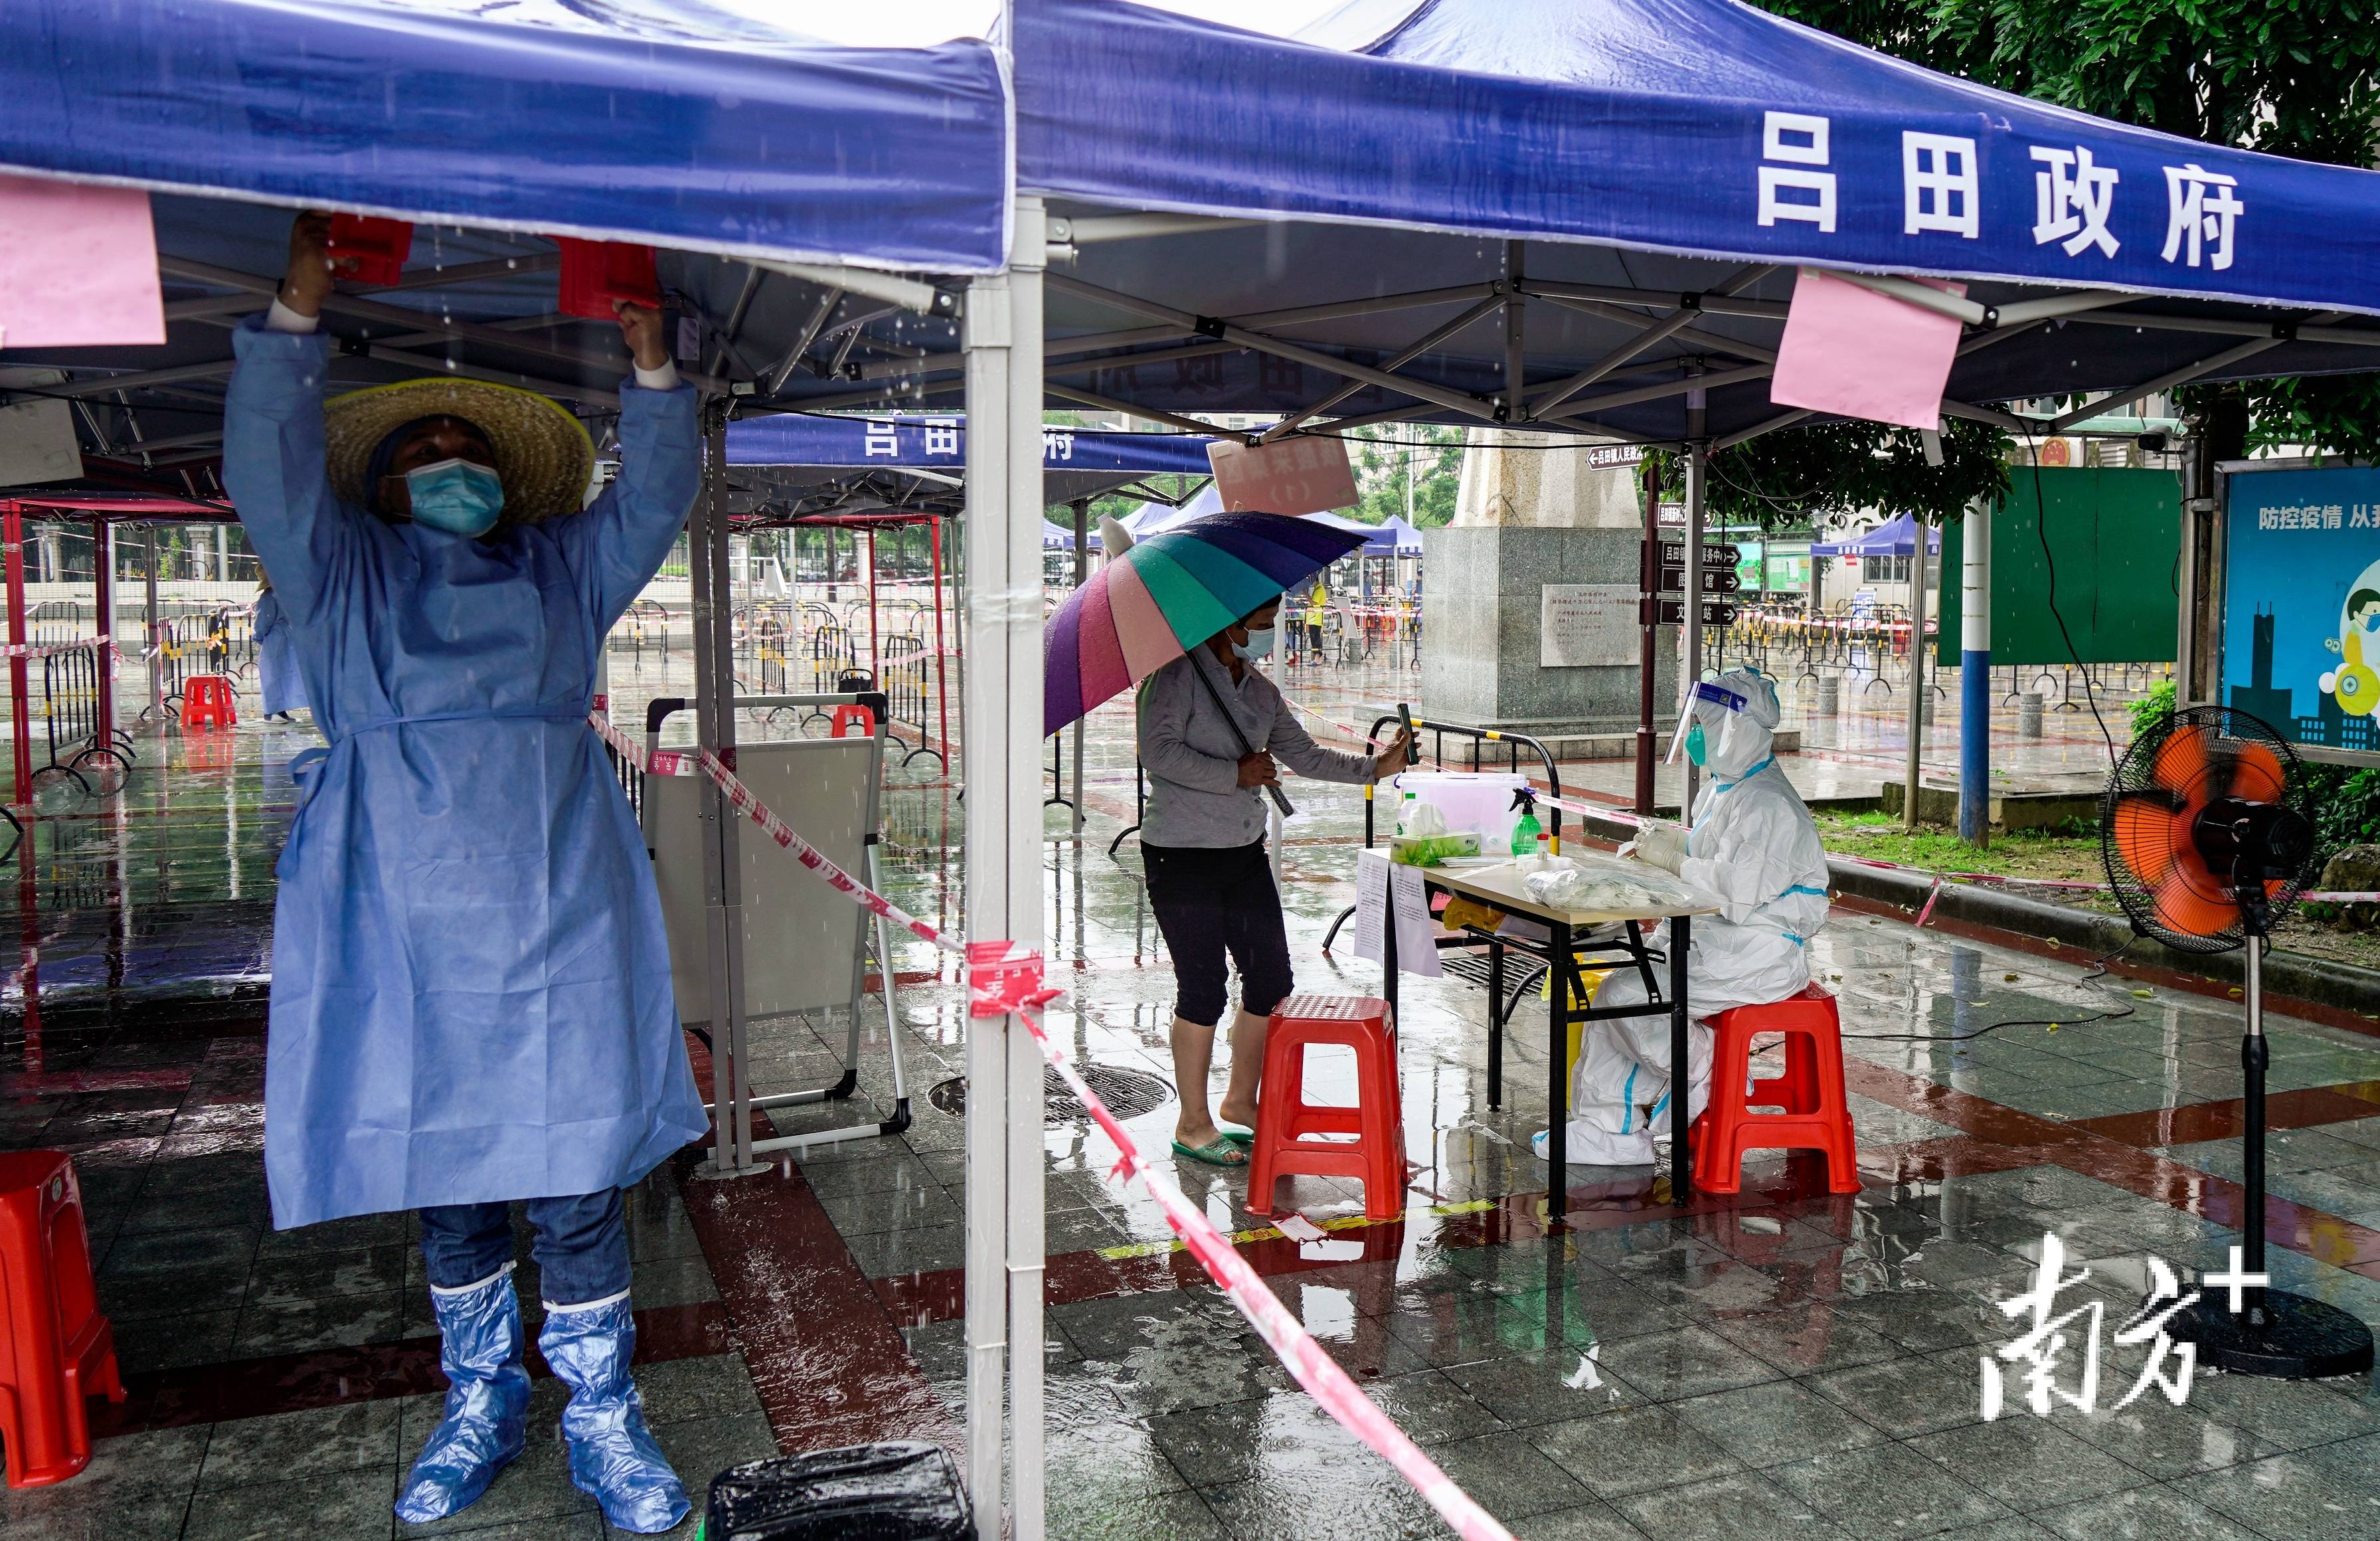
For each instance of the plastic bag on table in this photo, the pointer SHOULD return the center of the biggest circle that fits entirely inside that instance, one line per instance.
(1614, 888)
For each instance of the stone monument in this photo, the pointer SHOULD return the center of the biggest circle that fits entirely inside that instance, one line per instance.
(1529, 601)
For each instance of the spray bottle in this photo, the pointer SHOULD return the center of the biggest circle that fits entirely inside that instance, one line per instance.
(1526, 832)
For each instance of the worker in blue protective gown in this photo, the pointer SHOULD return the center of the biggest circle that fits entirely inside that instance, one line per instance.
(472, 1000)
(277, 681)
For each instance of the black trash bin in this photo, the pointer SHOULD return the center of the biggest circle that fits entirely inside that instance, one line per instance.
(906, 1490)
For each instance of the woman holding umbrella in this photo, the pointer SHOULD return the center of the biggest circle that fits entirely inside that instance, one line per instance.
(1213, 731)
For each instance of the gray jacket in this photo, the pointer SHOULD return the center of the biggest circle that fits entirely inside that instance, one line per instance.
(1195, 798)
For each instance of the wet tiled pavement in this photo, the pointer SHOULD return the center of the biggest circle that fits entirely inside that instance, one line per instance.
(1785, 1362)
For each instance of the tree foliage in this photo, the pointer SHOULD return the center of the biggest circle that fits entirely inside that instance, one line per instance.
(1430, 453)
(1795, 477)
(2296, 77)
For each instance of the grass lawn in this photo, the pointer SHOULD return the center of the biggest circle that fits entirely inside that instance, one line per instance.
(2029, 854)
(2071, 855)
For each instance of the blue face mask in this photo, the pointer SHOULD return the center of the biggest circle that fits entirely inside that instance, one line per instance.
(1696, 747)
(457, 496)
(1258, 644)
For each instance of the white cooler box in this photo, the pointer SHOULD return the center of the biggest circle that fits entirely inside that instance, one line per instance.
(1480, 801)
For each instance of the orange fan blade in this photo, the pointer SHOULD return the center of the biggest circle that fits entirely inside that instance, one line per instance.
(2146, 834)
(2181, 907)
(2257, 776)
(2180, 762)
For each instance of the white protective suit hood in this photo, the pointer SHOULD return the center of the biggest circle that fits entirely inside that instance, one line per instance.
(1739, 713)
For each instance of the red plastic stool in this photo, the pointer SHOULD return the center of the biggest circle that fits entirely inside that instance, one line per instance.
(852, 716)
(206, 701)
(1284, 1118)
(55, 1348)
(1816, 1115)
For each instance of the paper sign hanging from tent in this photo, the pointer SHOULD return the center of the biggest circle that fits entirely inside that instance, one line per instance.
(1302, 474)
(1852, 352)
(78, 266)
(594, 274)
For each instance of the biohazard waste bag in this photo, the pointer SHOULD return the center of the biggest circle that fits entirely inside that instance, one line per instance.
(906, 1490)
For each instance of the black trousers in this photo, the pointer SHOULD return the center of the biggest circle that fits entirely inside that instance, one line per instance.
(1214, 905)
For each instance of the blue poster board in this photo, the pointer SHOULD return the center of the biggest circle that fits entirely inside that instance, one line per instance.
(2301, 603)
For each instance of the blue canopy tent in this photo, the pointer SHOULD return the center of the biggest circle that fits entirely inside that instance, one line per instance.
(791, 465)
(1895, 537)
(811, 206)
(1544, 260)
(1583, 216)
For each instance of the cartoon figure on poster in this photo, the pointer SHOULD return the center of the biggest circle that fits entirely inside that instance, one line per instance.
(2353, 683)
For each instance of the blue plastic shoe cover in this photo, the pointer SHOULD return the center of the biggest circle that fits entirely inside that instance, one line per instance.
(487, 1401)
(613, 1454)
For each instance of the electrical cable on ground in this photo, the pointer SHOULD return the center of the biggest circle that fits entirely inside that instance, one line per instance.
(2098, 970)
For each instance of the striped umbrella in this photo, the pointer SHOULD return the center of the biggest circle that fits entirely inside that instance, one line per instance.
(1142, 609)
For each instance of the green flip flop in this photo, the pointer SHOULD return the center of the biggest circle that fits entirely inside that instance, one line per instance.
(1241, 1137)
(1220, 1152)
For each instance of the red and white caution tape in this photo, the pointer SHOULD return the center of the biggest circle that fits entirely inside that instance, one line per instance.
(1001, 979)
(1004, 979)
(46, 650)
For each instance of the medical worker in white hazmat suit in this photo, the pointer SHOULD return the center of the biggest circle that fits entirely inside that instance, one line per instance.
(1752, 845)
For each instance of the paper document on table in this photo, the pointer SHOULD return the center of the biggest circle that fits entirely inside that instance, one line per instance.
(1417, 937)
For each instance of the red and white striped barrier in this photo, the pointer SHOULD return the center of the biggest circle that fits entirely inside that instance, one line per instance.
(48, 649)
(1004, 979)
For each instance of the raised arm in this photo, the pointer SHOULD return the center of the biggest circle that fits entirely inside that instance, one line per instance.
(273, 432)
(616, 547)
(1294, 748)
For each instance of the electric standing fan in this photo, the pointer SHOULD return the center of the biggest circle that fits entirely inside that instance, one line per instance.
(2206, 838)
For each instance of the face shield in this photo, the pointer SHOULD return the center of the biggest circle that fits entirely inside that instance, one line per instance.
(1729, 722)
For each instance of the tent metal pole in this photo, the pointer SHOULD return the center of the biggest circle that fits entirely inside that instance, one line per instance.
(1110, 403)
(1710, 342)
(156, 650)
(1428, 341)
(1913, 764)
(103, 573)
(1516, 343)
(1697, 493)
(1744, 435)
(20, 712)
(2167, 381)
(730, 1149)
(988, 330)
(1975, 675)
(1004, 1243)
(1453, 400)
(1081, 576)
(1678, 387)
(1020, 620)
(1099, 342)
(941, 650)
(1650, 334)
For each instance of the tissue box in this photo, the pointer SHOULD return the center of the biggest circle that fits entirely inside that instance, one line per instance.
(1430, 850)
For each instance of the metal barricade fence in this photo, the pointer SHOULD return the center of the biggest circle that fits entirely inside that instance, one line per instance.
(231, 640)
(644, 629)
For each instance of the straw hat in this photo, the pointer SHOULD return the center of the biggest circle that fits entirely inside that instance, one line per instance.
(543, 456)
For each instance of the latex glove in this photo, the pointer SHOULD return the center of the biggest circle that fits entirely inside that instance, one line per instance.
(1659, 844)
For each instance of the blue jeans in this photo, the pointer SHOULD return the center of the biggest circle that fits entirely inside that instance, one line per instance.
(581, 1247)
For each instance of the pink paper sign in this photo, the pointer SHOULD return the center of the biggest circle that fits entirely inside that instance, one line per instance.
(1300, 473)
(78, 266)
(1855, 353)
